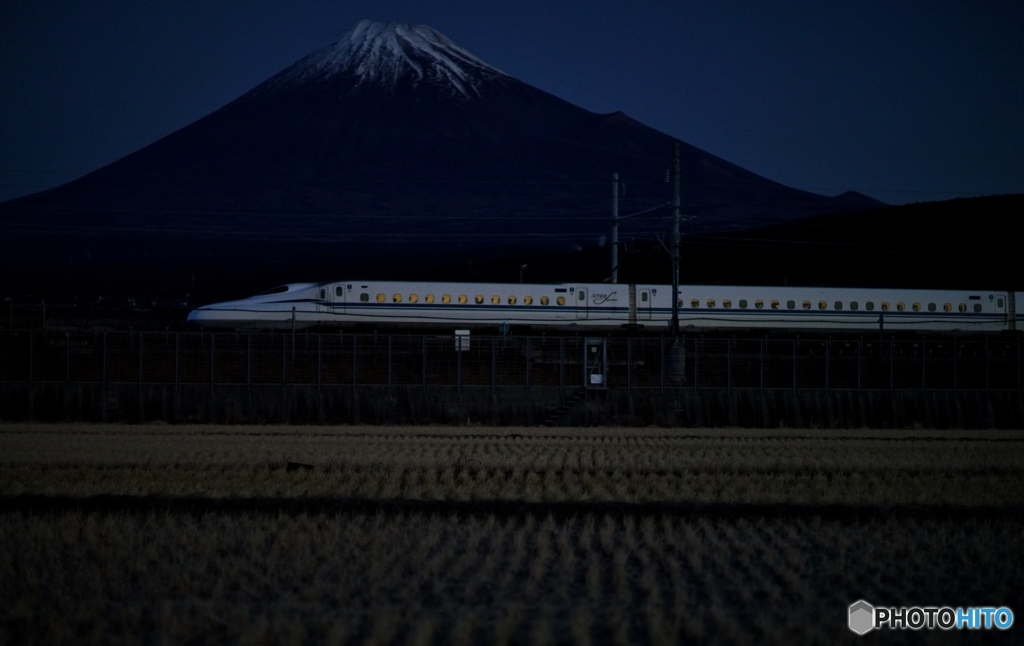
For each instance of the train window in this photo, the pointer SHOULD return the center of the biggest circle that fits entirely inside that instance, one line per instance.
(791, 305)
(726, 303)
(759, 303)
(694, 302)
(339, 290)
(946, 307)
(495, 300)
(885, 306)
(479, 299)
(397, 298)
(581, 296)
(869, 306)
(511, 300)
(999, 303)
(711, 302)
(743, 303)
(977, 307)
(775, 305)
(822, 305)
(323, 293)
(916, 307)
(560, 300)
(854, 305)
(543, 300)
(364, 298)
(643, 296)
(527, 300)
(446, 298)
(963, 307)
(931, 307)
(807, 305)
(413, 298)
(463, 299)
(381, 298)
(839, 305)
(429, 298)
(900, 307)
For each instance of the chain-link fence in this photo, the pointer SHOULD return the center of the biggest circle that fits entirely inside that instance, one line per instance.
(345, 359)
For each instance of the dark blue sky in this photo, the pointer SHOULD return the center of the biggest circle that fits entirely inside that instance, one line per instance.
(905, 101)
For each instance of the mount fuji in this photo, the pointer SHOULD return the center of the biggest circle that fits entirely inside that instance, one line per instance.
(390, 149)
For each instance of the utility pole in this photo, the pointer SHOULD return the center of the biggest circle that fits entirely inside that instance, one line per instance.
(615, 227)
(675, 239)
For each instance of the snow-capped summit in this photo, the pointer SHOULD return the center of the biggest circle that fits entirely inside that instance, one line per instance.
(382, 54)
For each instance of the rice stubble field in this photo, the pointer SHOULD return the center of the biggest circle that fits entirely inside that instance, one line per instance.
(277, 534)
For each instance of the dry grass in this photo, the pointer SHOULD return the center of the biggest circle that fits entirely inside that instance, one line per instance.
(517, 536)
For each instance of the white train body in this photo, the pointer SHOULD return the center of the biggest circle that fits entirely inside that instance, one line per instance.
(605, 305)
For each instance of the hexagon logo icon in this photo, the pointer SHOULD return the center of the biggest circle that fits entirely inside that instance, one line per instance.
(862, 617)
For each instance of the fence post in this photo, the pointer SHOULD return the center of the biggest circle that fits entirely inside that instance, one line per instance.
(761, 366)
(795, 342)
(248, 361)
(213, 359)
(527, 363)
(561, 364)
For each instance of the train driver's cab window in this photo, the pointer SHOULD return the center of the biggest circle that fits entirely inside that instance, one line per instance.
(726, 303)
(339, 291)
(759, 304)
(364, 298)
(544, 300)
(381, 298)
(413, 298)
(397, 298)
(560, 300)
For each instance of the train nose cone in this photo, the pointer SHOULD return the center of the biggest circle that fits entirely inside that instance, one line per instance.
(195, 315)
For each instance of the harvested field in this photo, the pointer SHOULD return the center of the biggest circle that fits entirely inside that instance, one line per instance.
(140, 534)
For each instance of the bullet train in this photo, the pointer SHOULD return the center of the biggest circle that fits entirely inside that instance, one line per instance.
(582, 306)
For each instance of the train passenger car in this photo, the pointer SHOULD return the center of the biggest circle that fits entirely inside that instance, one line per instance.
(605, 305)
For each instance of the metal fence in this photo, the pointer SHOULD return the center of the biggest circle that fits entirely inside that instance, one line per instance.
(345, 359)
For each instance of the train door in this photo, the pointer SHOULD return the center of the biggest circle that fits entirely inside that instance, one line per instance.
(332, 299)
(643, 304)
(581, 303)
